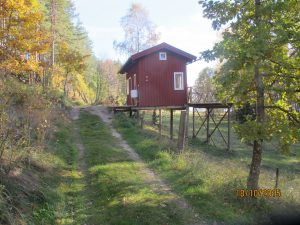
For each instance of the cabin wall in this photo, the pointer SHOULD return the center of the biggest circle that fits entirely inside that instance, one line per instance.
(130, 76)
(156, 80)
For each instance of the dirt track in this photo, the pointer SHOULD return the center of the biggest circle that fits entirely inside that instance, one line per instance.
(156, 183)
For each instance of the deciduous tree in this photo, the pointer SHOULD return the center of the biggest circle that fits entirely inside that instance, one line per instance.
(72, 62)
(260, 65)
(204, 87)
(21, 36)
(110, 84)
(140, 32)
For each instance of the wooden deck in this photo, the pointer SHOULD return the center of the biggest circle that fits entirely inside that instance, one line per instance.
(135, 108)
(193, 105)
(211, 105)
(120, 108)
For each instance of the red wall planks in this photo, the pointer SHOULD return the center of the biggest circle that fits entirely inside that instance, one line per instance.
(155, 80)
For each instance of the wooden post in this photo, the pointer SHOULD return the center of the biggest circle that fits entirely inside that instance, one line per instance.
(207, 126)
(171, 124)
(229, 130)
(130, 113)
(181, 134)
(142, 119)
(187, 124)
(160, 122)
(154, 117)
(194, 122)
(277, 176)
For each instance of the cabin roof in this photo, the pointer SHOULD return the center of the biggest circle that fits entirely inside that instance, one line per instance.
(163, 46)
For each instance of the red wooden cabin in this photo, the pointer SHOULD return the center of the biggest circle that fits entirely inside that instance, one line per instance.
(157, 77)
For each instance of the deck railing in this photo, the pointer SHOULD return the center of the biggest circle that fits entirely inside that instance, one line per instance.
(195, 96)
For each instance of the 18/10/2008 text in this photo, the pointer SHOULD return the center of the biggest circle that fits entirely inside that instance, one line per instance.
(259, 193)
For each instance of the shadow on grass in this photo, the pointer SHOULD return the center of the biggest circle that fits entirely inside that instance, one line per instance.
(198, 144)
(209, 183)
(117, 192)
(119, 195)
(71, 182)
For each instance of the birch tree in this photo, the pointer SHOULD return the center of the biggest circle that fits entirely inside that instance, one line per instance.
(140, 32)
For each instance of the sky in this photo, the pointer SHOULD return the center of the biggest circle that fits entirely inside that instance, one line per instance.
(180, 23)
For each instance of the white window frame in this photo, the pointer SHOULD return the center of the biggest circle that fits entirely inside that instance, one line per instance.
(182, 81)
(162, 56)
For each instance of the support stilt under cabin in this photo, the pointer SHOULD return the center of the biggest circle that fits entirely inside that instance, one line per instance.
(205, 120)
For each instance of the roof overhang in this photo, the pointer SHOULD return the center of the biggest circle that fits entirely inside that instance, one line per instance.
(163, 46)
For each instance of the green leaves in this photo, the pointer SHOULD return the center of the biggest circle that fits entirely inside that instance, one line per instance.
(266, 35)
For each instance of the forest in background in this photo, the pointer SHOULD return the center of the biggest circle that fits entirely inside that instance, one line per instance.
(44, 43)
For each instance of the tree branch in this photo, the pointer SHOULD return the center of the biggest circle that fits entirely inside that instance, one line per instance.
(293, 117)
(291, 67)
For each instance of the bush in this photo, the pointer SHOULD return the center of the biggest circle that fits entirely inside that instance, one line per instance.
(25, 116)
(246, 112)
(124, 121)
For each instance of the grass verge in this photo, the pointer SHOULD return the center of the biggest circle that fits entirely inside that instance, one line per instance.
(47, 188)
(208, 182)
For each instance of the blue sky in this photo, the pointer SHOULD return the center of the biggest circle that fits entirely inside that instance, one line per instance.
(180, 23)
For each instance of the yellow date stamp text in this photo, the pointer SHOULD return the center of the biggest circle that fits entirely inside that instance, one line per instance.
(259, 193)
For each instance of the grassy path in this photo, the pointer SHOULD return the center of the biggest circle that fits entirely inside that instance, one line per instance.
(118, 188)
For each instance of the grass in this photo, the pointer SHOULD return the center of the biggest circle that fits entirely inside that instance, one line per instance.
(70, 181)
(240, 152)
(117, 191)
(45, 190)
(112, 189)
(64, 182)
(209, 176)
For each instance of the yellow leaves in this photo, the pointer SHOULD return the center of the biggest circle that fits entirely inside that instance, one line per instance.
(23, 8)
(20, 34)
(19, 66)
(57, 77)
(31, 65)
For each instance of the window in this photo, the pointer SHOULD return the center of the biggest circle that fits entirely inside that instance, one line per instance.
(178, 81)
(162, 56)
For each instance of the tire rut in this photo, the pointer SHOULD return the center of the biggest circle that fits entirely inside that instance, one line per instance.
(157, 184)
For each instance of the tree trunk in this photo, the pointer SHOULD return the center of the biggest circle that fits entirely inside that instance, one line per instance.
(53, 24)
(98, 91)
(65, 85)
(83, 97)
(52, 45)
(257, 146)
(253, 178)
